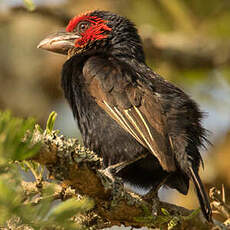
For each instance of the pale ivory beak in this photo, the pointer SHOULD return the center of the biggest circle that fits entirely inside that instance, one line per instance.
(59, 42)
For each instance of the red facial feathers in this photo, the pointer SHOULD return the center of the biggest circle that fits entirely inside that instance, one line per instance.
(94, 32)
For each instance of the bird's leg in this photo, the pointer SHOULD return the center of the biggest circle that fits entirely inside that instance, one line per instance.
(107, 174)
(116, 168)
(111, 171)
(152, 197)
(110, 180)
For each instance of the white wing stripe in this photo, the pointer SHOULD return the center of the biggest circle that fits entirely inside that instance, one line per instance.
(144, 122)
(118, 115)
(114, 114)
(122, 121)
(130, 129)
(138, 129)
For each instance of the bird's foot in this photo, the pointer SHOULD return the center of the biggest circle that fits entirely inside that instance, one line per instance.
(116, 168)
(107, 174)
(111, 171)
(109, 181)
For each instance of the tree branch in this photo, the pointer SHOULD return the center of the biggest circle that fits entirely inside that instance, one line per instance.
(79, 168)
(186, 51)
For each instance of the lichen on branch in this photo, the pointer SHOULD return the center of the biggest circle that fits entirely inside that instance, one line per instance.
(79, 168)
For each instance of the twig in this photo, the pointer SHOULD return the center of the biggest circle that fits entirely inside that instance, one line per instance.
(58, 15)
(218, 202)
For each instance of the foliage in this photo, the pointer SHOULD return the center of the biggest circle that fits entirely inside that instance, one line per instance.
(37, 209)
(51, 121)
(29, 5)
(13, 144)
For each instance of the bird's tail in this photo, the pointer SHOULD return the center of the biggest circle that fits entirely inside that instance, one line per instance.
(202, 196)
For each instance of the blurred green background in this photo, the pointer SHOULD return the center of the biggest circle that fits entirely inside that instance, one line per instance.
(186, 41)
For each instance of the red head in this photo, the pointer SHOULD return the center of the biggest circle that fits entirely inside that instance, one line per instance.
(81, 31)
(90, 28)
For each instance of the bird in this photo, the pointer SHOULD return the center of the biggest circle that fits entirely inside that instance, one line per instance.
(145, 128)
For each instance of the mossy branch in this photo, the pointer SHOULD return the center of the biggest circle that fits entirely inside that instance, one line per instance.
(79, 168)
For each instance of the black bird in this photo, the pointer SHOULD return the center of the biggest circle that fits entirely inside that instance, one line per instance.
(128, 114)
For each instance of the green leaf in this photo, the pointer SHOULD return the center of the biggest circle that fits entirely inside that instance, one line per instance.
(9, 200)
(29, 5)
(69, 208)
(16, 138)
(173, 223)
(192, 215)
(165, 212)
(51, 121)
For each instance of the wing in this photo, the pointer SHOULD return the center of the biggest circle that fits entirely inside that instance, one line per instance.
(134, 107)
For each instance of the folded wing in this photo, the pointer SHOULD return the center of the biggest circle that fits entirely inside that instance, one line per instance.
(135, 108)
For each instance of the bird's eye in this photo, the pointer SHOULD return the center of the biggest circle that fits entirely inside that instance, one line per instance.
(82, 27)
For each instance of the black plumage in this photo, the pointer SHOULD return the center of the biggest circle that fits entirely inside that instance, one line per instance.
(129, 115)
